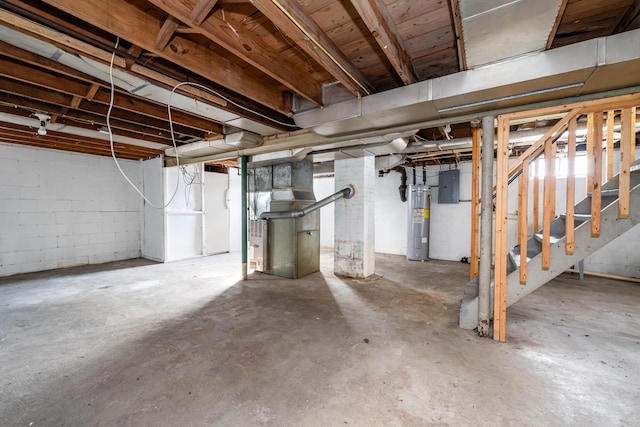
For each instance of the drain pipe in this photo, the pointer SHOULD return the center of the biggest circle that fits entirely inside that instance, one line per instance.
(486, 218)
(347, 192)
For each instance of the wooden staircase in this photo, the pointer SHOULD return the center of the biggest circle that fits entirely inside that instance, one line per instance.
(543, 252)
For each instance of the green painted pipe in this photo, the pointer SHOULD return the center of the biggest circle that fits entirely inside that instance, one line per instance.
(243, 170)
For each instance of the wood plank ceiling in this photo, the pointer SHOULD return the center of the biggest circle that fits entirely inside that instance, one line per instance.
(253, 55)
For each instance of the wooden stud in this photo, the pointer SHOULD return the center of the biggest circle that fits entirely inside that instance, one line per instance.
(166, 32)
(549, 200)
(554, 178)
(571, 188)
(626, 155)
(523, 223)
(596, 191)
(536, 199)
(589, 152)
(476, 133)
(610, 124)
(500, 279)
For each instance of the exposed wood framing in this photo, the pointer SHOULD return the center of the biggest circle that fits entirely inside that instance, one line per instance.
(627, 147)
(292, 20)
(58, 38)
(202, 10)
(596, 194)
(140, 28)
(571, 188)
(248, 46)
(476, 133)
(536, 201)
(556, 24)
(523, 223)
(590, 161)
(459, 34)
(385, 33)
(549, 202)
(168, 29)
(500, 257)
(610, 123)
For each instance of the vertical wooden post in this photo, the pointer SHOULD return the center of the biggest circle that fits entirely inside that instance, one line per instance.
(475, 200)
(596, 192)
(536, 199)
(523, 210)
(589, 152)
(627, 141)
(500, 275)
(610, 124)
(549, 201)
(554, 178)
(571, 187)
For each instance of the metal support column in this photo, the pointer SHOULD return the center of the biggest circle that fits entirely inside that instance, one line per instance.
(243, 169)
(486, 220)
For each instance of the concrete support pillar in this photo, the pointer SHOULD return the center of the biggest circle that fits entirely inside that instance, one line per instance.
(486, 220)
(354, 218)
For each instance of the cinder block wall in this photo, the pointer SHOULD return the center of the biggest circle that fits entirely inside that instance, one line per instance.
(61, 209)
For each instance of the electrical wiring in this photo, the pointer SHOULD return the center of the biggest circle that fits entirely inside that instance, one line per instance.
(113, 153)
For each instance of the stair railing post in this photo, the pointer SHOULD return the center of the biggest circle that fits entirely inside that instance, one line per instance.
(571, 188)
(486, 232)
(596, 192)
(523, 222)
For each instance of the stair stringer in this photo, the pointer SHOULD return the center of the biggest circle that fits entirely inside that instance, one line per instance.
(611, 227)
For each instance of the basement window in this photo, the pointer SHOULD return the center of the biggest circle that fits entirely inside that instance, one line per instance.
(561, 166)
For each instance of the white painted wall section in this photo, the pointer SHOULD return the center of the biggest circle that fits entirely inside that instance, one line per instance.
(60, 209)
(354, 250)
(153, 225)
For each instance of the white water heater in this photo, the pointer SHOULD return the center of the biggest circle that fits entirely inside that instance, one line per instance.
(419, 210)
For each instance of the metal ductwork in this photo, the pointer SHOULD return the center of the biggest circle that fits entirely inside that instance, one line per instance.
(590, 67)
(347, 192)
(200, 148)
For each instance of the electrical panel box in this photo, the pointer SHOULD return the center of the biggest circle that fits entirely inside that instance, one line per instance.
(258, 236)
(449, 186)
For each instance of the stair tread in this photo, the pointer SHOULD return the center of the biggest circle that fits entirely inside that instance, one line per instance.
(552, 239)
(515, 258)
(635, 168)
(579, 217)
(607, 193)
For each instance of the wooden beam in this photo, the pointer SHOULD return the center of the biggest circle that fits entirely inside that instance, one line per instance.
(79, 90)
(384, 31)
(629, 16)
(168, 29)
(536, 200)
(202, 10)
(476, 133)
(627, 148)
(459, 34)
(571, 188)
(140, 29)
(556, 24)
(590, 162)
(56, 37)
(523, 223)
(549, 201)
(500, 260)
(293, 21)
(243, 43)
(610, 124)
(596, 194)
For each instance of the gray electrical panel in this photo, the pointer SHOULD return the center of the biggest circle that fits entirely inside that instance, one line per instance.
(449, 186)
(419, 201)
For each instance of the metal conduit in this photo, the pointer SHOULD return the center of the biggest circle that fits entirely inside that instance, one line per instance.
(347, 192)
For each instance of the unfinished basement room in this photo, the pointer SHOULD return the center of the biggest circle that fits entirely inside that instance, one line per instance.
(319, 213)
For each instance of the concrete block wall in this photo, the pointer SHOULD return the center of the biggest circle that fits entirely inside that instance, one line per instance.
(61, 209)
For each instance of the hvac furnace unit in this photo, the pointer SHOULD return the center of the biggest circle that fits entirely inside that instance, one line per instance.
(258, 236)
(419, 202)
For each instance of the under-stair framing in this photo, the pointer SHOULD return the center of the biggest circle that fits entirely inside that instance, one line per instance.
(608, 211)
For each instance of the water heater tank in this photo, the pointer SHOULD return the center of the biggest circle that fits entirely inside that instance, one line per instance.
(419, 202)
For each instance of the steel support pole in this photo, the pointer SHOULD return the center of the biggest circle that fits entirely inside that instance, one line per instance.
(486, 220)
(243, 171)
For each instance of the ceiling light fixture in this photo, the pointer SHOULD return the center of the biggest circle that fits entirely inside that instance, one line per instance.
(509, 97)
(44, 118)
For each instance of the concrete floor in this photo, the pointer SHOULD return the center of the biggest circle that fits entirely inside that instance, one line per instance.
(186, 343)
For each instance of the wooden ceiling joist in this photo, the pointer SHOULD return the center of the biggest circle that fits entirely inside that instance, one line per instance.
(141, 29)
(202, 10)
(247, 46)
(167, 31)
(294, 22)
(382, 28)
